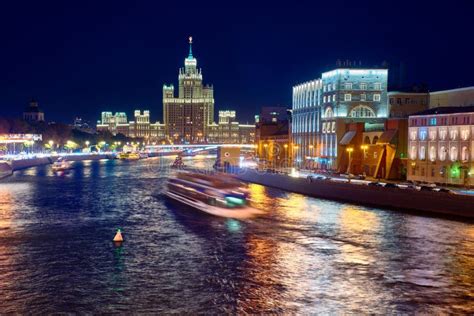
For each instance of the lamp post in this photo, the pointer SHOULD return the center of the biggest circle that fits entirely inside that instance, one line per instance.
(349, 152)
(295, 148)
(364, 148)
(311, 154)
(286, 153)
(265, 152)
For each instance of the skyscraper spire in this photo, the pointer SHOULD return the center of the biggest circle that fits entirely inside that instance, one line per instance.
(190, 47)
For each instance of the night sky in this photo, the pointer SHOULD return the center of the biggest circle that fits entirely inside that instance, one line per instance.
(78, 58)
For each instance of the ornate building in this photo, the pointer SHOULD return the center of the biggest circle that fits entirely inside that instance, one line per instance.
(441, 146)
(140, 127)
(189, 116)
(323, 107)
(229, 131)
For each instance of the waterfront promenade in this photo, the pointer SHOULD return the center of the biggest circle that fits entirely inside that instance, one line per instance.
(386, 197)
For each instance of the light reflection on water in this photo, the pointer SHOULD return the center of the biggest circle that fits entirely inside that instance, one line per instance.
(303, 256)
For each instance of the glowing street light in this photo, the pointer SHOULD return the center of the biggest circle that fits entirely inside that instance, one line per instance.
(349, 152)
(87, 143)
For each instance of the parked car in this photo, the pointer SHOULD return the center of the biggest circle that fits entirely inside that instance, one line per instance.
(391, 185)
(444, 190)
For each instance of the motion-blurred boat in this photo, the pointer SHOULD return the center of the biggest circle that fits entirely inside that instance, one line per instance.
(220, 196)
(61, 165)
(5, 169)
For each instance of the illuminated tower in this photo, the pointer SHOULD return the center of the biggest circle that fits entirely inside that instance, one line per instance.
(187, 117)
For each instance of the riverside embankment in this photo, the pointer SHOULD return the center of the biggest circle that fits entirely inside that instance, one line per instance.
(39, 161)
(391, 198)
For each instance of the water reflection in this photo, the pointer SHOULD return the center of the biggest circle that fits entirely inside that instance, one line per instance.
(303, 256)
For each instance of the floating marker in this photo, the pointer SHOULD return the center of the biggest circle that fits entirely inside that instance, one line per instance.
(118, 236)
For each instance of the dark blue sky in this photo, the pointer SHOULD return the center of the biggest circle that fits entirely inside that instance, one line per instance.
(83, 57)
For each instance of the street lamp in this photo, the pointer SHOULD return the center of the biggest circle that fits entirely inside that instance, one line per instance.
(349, 152)
(87, 143)
(295, 148)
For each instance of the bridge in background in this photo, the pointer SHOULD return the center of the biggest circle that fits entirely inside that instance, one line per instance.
(195, 147)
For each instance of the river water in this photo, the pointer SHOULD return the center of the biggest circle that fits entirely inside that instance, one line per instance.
(302, 256)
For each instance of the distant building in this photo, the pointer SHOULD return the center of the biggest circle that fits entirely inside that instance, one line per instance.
(82, 125)
(229, 131)
(403, 104)
(441, 146)
(33, 113)
(272, 137)
(188, 117)
(140, 127)
(453, 97)
(322, 108)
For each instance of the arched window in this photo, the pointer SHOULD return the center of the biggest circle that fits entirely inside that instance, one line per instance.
(361, 111)
(453, 154)
(413, 152)
(432, 153)
(442, 153)
(367, 140)
(329, 113)
(464, 154)
(375, 140)
(422, 153)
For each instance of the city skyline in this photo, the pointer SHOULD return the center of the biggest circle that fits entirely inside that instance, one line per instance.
(121, 61)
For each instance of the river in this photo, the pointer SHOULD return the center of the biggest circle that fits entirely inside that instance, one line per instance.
(304, 255)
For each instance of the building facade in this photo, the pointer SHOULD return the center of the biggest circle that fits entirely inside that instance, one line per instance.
(33, 113)
(140, 127)
(323, 107)
(273, 138)
(441, 146)
(229, 131)
(188, 116)
(452, 97)
(404, 104)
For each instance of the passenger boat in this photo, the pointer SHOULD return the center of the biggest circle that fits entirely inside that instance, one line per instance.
(128, 156)
(5, 169)
(220, 196)
(61, 165)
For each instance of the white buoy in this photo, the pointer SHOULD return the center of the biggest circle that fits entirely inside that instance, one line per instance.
(118, 236)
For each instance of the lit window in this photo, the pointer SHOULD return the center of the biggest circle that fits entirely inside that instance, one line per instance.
(324, 99)
(465, 133)
(453, 154)
(422, 134)
(453, 134)
(348, 86)
(464, 154)
(363, 86)
(377, 86)
(334, 98)
(376, 97)
(422, 152)
(334, 86)
(432, 153)
(413, 152)
(361, 111)
(363, 97)
(443, 133)
(442, 153)
(328, 113)
(347, 97)
(324, 88)
(333, 127)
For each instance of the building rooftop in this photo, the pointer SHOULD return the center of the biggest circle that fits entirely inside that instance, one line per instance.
(446, 110)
